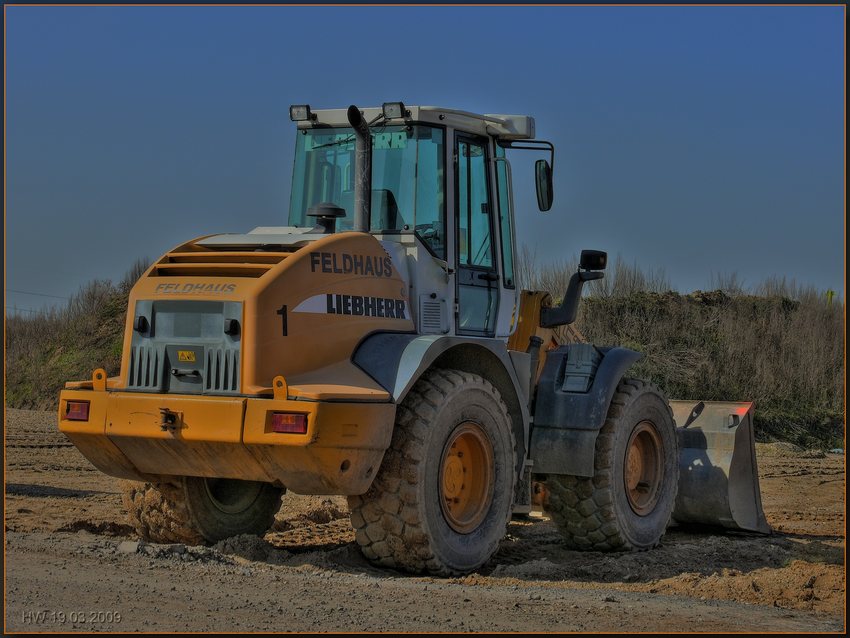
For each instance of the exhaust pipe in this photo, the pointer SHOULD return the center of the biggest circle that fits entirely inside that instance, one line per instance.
(362, 170)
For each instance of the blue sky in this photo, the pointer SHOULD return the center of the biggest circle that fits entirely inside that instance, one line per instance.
(696, 139)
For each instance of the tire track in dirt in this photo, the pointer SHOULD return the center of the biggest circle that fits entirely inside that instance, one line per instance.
(66, 516)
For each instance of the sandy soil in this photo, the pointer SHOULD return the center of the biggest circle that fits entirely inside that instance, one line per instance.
(73, 564)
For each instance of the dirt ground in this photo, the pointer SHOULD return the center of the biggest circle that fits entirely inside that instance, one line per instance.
(73, 564)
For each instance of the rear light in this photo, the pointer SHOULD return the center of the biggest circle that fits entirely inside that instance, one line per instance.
(77, 411)
(289, 423)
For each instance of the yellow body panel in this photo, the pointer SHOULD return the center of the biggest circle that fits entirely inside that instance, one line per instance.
(531, 305)
(338, 382)
(90, 436)
(211, 419)
(226, 437)
(304, 312)
(314, 340)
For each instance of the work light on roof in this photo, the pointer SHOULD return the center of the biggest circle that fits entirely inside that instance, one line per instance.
(300, 113)
(393, 110)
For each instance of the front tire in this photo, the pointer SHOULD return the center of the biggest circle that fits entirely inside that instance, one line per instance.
(628, 502)
(443, 497)
(194, 510)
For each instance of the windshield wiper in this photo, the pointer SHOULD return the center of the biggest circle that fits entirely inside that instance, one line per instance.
(350, 139)
(347, 140)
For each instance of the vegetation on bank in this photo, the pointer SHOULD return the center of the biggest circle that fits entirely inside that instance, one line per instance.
(46, 349)
(778, 344)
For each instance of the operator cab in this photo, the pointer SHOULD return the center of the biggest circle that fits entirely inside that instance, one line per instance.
(441, 203)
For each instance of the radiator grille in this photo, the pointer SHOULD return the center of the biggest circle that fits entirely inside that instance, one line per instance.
(222, 370)
(209, 263)
(183, 348)
(146, 364)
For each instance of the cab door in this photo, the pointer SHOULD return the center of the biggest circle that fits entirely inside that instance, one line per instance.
(476, 272)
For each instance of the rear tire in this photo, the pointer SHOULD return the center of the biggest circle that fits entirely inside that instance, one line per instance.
(444, 494)
(628, 502)
(193, 510)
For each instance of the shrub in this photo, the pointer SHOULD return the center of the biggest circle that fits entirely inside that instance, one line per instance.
(780, 345)
(46, 349)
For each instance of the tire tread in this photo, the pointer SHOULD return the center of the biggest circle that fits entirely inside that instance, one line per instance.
(583, 507)
(396, 536)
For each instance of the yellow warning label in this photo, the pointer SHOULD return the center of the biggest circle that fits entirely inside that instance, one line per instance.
(186, 355)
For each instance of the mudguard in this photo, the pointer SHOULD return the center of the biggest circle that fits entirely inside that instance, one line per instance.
(396, 361)
(566, 423)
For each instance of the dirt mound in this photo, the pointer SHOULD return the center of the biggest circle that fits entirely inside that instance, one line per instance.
(778, 449)
(539, 569)
(801, 586)
(104, 528)
(783, 449)
(230, 551)
(308, 537)
(251, 548)
(293, 515)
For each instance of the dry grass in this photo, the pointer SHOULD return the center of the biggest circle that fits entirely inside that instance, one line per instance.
(43, 350)
(621, 278)
(778, 344)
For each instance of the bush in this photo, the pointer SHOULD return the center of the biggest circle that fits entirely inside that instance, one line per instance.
(780, 346)
(46, 349)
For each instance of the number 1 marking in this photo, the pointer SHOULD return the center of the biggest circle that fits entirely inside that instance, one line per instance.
(282, 313)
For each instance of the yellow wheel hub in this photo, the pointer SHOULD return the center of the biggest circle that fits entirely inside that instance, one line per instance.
(466, 477)
(644, 468)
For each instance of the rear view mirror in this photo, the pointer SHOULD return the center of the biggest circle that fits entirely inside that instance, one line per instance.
(543, 180)
(593, 260)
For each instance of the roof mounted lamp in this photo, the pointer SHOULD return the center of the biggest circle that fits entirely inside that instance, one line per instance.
(301, 113)
(394, 110)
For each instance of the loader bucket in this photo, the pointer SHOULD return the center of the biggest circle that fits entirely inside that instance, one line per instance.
(718, 475)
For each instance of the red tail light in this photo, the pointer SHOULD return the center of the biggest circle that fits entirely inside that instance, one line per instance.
(289, 423)
(77, 410)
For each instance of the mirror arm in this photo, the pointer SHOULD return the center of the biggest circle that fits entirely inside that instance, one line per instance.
(566, 312)
(531, 145)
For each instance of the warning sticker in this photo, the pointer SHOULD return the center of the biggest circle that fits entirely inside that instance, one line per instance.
(186, 355)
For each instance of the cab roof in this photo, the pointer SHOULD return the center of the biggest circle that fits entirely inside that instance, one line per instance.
(508, 127)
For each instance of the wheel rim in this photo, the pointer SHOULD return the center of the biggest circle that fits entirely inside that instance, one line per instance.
(232, 496)
(644, 468)
(466, 477)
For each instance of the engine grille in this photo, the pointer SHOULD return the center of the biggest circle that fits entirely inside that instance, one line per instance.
(211, 263)
(183, 348)
(146, 367)
(222, 370)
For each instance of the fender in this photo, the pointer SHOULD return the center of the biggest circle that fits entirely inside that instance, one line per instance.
(566, 423)
(396, 361)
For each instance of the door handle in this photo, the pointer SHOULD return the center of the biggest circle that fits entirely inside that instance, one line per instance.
(488, 276)
(177, 372)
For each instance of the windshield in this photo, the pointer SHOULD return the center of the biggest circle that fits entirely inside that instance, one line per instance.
(407, 179)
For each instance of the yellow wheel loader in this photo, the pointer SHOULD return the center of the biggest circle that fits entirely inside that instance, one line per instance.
(379, 347)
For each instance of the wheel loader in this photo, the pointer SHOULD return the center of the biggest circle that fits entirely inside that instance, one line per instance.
(379, 347)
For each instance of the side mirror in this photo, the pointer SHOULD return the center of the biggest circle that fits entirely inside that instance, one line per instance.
(543, 179)
(593, 260)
